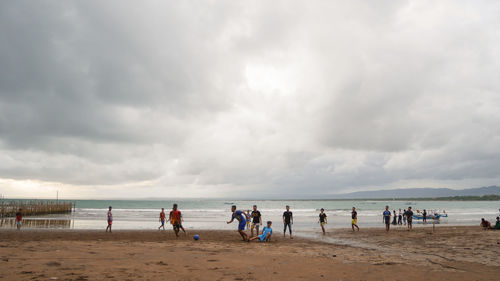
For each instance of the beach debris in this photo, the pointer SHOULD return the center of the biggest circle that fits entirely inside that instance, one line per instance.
(54, 278)
(53, 263)
(334, 256)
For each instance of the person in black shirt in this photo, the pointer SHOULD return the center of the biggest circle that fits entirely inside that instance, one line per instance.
(287, 221)
(354, 219)
(409, 217)
(424, 216)
(322, 220)
(256, 220)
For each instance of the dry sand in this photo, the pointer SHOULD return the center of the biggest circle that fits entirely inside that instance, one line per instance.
(451, 253)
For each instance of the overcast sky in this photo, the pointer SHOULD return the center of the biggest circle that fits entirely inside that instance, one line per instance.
(103, 99)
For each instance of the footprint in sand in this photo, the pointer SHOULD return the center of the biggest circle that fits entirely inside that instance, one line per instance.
(53, 263)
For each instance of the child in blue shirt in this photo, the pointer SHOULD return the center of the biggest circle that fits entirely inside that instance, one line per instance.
(267, 231)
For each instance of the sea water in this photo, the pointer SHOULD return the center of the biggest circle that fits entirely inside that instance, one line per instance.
(213, 214)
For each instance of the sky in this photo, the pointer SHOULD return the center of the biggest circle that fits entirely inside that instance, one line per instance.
(126, 99)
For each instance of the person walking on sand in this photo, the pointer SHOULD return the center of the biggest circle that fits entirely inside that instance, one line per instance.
(175, 220)
(287, 221)
(256, 221)
(322, 220)
(162, 219)
(19, 219)
(241, 217)
(110, 219)
(409, 218)
(386, 218)
(424, 217)
(354, 219)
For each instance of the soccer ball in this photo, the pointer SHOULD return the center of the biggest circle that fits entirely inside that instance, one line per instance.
(196, 237)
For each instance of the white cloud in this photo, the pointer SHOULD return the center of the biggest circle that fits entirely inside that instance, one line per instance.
(288, 98)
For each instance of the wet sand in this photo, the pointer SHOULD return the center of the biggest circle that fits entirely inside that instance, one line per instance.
(450, 253)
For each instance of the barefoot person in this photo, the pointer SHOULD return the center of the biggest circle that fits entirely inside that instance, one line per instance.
(409, 218)
(354, 219)
(162, 219)
(19, 219)
(241, 217)
(110, 220)
(267, 231)
(287, 221)
(175, 220)
(322, 220)
(256, 221)
(386, 218)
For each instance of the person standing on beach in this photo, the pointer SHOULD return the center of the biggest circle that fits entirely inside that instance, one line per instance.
(175, 220)
(386, 218)
(162, 219)
(404, 216)
(409, 218)
(400, 217)
(322, 220)
(395, 220)
(424, 216)
(248, 221)
(241, 217)
(19, 219)
(110, 219)
(287, 221)
(354, 219)
(256, 220)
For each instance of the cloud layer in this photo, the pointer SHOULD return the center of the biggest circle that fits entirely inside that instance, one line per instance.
(282, 99)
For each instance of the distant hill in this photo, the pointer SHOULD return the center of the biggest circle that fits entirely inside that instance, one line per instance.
(420, 193)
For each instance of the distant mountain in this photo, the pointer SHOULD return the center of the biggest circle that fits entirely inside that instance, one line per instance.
(420, 193)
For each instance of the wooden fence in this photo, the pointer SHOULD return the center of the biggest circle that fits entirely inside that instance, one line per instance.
(32, 208)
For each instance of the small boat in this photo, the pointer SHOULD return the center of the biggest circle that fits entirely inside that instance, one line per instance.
(435, 216)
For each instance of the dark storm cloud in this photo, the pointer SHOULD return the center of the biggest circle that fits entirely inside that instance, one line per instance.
(287, 97)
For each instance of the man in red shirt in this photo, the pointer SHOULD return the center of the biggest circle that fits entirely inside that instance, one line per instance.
(19, 219)
(175, 219)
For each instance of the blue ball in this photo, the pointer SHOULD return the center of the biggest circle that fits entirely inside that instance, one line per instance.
(196, 237)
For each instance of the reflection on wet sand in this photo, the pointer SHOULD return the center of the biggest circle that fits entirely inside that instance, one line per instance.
(37, 223)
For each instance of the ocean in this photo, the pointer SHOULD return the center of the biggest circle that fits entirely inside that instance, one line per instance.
(213, 214)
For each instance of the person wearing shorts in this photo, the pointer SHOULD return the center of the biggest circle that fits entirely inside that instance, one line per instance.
(287, 221)
(241, 217)
(267, 231)
(354, 219)
(19, 219)
(409, 218)
(386, 217)
(110, 219)
(175, 220)
(322, 220)
(256, 221)
(162, 219)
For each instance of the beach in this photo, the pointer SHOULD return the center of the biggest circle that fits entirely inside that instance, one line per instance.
(449, 253)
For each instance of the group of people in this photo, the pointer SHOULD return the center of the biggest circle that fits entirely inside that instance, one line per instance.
(405, 217)
(175, 219)
(487, 225)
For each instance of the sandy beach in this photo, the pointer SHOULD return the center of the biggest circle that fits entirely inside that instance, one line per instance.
(450, 253)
